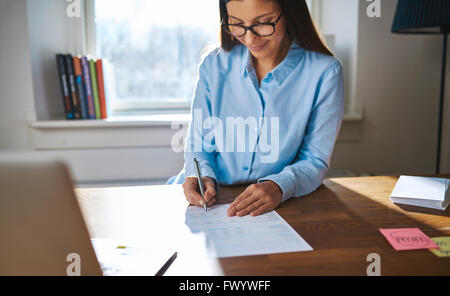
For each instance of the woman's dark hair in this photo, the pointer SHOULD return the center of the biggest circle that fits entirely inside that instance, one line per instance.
(300, 27)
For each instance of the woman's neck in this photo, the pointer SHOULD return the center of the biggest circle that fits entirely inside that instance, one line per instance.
(266, 65)
(262, 67)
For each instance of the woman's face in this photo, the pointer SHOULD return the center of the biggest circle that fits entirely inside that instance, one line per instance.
(249, 12)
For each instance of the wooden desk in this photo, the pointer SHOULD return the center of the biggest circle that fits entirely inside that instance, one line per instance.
(340, 221)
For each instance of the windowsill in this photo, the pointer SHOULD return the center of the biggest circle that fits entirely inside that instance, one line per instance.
(116, 121)
(136, 131)
(157, 120)
(353, 117)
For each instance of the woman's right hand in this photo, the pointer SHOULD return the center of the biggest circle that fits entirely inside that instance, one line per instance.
(192, 191)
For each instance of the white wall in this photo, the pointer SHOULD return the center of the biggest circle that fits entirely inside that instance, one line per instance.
(16, 88)
(340, 18)
(445, 162)
(50, 32)
(397, 84)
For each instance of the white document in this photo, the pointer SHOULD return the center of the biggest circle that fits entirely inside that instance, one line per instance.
(244, 236)
(422, 192)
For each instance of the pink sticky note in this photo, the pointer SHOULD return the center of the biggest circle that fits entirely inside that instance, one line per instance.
(408, 239)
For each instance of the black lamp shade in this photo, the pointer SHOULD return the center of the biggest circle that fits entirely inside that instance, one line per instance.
(422, 17)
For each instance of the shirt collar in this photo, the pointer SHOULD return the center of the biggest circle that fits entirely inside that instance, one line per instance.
(280, 72)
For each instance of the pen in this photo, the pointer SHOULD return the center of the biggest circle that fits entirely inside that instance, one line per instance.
(200, 182)
(166, 265)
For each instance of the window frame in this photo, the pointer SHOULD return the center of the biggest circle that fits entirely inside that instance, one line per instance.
(140, 106)
(130, 105)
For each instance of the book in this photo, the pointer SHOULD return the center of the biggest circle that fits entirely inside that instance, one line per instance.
(64, 88)
(71, 84)
(101, 88)
(81, 93)
(94, 88)
(422, 192)
(88, 87)
(109, 83)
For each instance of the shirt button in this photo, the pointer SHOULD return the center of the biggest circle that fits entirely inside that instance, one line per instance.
(246, 168)
(268, 78)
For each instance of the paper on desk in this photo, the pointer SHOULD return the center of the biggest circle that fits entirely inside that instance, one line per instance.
(422, 191)
(408, 239)
(444, 246)
(244, 236)
(130, 258)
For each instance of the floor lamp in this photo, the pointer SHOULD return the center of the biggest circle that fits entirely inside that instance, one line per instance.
(426, 17)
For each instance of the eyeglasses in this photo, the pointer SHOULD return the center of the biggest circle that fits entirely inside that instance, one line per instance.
(259, 29)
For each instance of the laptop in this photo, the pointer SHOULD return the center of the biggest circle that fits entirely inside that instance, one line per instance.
(42, 231)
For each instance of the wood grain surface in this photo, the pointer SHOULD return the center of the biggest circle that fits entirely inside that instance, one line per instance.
(340, 220)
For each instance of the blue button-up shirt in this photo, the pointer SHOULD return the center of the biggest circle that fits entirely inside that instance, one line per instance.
(291, 120)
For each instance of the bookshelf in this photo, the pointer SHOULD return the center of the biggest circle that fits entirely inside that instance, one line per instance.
(118, 121)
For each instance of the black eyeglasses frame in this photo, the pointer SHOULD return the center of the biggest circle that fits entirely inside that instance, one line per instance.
(225, 25)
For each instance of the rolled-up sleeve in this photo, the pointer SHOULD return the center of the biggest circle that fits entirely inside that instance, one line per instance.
(312, 161)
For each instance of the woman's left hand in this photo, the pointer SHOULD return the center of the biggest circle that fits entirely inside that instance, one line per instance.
(256, 199)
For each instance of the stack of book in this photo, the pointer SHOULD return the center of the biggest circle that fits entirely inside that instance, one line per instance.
(82, 86)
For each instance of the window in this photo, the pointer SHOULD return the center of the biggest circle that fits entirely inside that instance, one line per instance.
(153, 48)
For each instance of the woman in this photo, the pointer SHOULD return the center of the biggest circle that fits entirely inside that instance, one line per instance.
(272, 69)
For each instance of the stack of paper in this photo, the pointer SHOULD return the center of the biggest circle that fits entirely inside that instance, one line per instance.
(422, 191)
